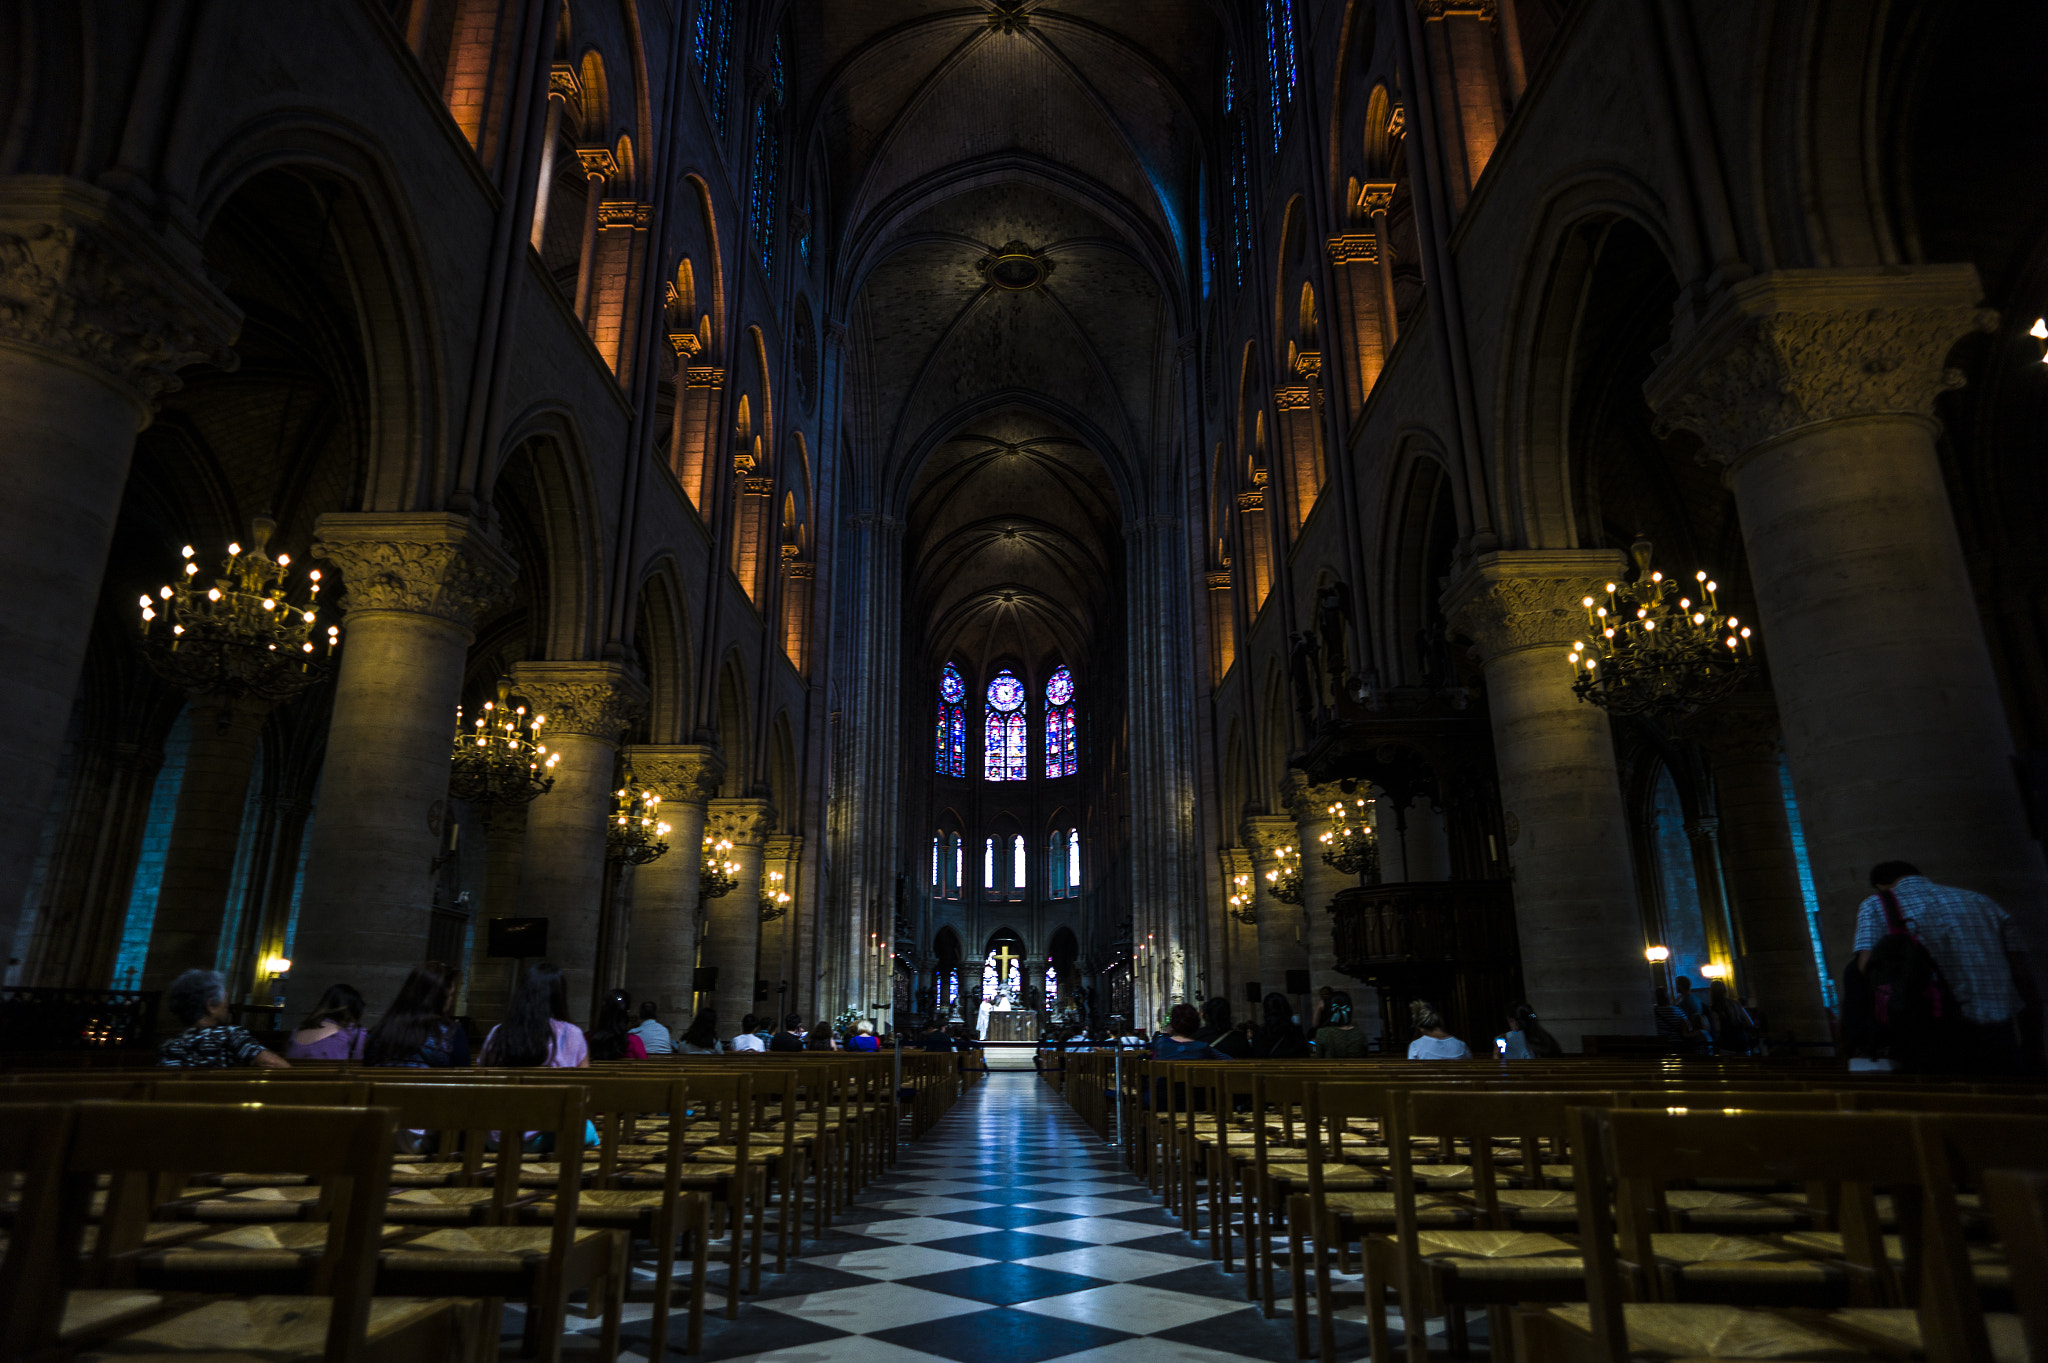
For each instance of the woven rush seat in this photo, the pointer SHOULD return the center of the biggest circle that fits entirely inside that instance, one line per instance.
(438, 1206)
(1343, 1177)
(1380, 1209)
(1705, 1210)
(270, 1244)
(93, 1310)
(1679, 1330)
(427, 1174)
(1987, 1266)
(253, 1204)
(1500, 1253)
(258, 1180)
(484, 1248)
(280, 1329)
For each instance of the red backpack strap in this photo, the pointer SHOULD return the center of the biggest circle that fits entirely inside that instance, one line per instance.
(1894, 918)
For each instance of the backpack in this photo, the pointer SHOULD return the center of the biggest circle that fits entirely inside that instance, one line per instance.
(1911, 1003)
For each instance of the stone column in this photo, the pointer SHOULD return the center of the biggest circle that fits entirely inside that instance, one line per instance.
(416, 583)
(663, 938)
(1816, 390)
(97, 315)
(489, 980)
(732, 928)
(1282, 945)
(1761, 869)
(1355, 263)
(1320, 881)
(587, 706)
(784, 853)
(598, 168)
(1568, 841)
(1241, 939)
(199, 868)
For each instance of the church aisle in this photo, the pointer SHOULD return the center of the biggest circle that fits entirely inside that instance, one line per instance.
(1010, 1234)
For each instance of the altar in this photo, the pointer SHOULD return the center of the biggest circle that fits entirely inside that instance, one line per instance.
(1011, 1024)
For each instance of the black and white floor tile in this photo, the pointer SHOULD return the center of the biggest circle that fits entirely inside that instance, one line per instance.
(1009, 1234)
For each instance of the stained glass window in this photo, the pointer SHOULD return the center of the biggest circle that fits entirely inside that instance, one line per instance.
(949, 736)
(1005, 732)
(1056, 865)
(935, 860)
(767, 161)
(1017, 862)
(1238, 174)
(1281, 70)
(1061, 758)
(959, 868)
(712, 54)
(1073, 862)
(988, 864)
(1052, 982)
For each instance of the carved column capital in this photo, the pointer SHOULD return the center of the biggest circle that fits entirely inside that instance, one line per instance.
(1237, 861)
(680, 773)
(1265, 834)
(1528, 598)
(1355, 248)
(1377, 196)
(419, 563)
(82, 278)
(743, 822)
(596, 700)
(1308, 803)
(782, 850)
(1799, 348)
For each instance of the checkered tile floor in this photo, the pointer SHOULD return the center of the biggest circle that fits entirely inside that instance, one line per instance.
(1009, 1234)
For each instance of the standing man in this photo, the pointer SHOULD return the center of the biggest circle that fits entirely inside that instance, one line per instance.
(1970, 939)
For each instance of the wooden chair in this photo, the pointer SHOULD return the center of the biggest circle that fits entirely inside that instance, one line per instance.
(501, 1259)
(1625, 1164)
(1956, 1154)
(722, 1099)
(2018, 1204)
(347, 1148)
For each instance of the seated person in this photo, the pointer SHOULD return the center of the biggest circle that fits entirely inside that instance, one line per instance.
(199, 1000)
(333, 1030)
(1339, 1038)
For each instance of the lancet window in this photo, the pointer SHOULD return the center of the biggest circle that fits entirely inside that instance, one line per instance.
(1063, 863)
(711, 53)
(1282, 70)
(1061, 748)
(949, 737)
(767, 161)
(1005, 732)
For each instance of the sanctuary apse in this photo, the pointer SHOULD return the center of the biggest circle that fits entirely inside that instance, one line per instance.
(1020, 482)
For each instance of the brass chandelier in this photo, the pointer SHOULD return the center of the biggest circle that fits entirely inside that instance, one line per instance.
(1657, 648)
(1284, 880)
(499, 761)
(774, 899)
(720, 873)
(1350, 844)
(637, 834)
(238, 635)
(1241, 907)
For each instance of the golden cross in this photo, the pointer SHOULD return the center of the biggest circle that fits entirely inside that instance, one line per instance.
(1005, 958)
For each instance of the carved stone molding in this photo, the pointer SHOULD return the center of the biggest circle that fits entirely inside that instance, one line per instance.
(680, 773)
(598, 162)
(421, 563)
(1377, 196)
(1292, 399)
(799, 572)
(596, 700)
(81, 279)
(1220, 581)
(782, 851)
(1309, 804)
(625, 213)
(1458, 9)
(743, 822)
(1255, 500)
(1528, 598)
(1798, 348)
(1265, 834)
(1355, 248)
(705, 376)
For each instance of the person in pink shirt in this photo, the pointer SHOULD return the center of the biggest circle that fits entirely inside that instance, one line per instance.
(536, 1032)
(613, 1037)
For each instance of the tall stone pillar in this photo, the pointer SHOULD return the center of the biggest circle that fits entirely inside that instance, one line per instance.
(97, 315)
(1283, 945)
(1355, 261)
(1320, 881)
(416, 583)
(663, 937)
(1816, 390)
(488, 984)
(783, 853)
(587, 707)
(199, 868)
(1241, 939)
(1568, 841)
(1762, 870)
(732, 928)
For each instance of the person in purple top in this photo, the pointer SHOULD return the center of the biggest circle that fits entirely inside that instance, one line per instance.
(536, 1032)
(333, 1030)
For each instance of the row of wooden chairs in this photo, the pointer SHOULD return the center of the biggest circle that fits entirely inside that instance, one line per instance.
(679, 1144)
(1333, 1154)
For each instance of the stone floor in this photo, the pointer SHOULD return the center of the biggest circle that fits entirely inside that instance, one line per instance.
(1009, 1234)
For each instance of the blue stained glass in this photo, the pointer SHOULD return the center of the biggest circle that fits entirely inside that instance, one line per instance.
(712, 53)
(149, 868)
(939, 762)
(767, 161)
(957, 760)
(1281, 71)
(1060, 689)
(950, 738)
(951, 688)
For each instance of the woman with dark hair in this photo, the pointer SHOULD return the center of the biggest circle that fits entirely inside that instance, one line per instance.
(1232, 1042)
(1339, 1038)
(1179, 1043)
(199, 999)
(1433, 1041)
(819, 1038)
(333, 1030)
(1279, 1037)
(701, 1036)
(1734, 1030)
(1528, 1039)
(613, 1037)
(417, 1032)
(536, 1032)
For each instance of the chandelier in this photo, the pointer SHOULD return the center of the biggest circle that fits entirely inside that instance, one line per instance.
(238, 635)
(1349, 843)
(1241, 906)
(1658, 648)
(636, 834)
(1284, 880)
(720, 872)
(499, 761)
(774, 899)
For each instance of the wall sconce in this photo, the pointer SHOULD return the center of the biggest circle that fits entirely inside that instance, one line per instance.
(1657, 955)
(1713, 970)
(274, 966)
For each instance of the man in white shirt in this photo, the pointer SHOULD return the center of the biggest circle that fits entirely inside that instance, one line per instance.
(748, 1040)
(652, 1034)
